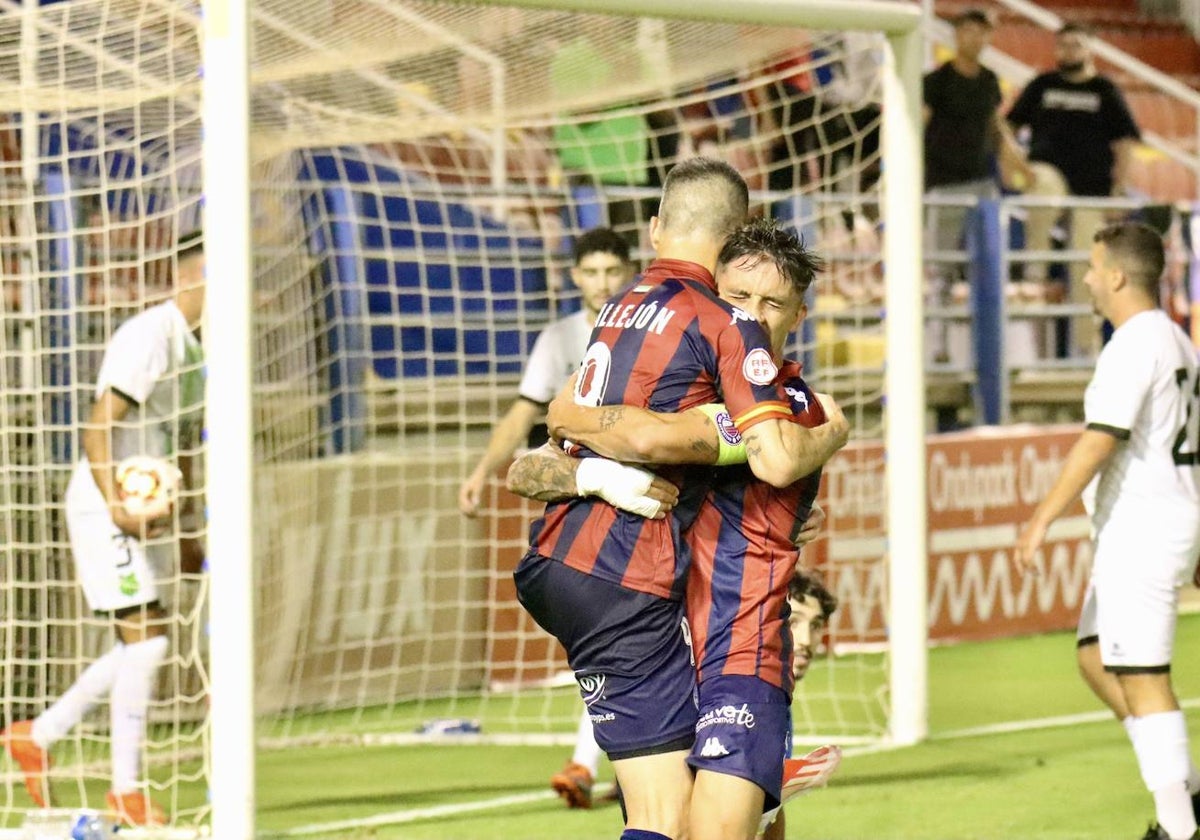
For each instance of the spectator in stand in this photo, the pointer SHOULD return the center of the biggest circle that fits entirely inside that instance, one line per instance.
(1081, 140)
(602, 150)
(964, 129)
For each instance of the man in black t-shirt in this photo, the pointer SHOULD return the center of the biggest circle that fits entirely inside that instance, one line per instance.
(1081, 140)
(964, 130)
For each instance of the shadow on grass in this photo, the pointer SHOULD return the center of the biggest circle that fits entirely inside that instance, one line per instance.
(393, 801)
(949, 770)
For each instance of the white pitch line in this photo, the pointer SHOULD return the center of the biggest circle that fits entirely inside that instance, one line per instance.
(1039, 723)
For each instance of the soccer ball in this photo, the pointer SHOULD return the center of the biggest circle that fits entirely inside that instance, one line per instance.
(147, 485)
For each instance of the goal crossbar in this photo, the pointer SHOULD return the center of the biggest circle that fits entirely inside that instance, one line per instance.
(872, 15)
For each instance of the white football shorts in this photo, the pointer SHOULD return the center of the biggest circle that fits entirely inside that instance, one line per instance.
(1132, 601)
(115, 571)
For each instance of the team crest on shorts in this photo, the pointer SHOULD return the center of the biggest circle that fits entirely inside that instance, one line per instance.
(129, 584)
(591, 686)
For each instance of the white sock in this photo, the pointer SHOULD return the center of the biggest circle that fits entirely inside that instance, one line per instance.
(1173, 807)
(1161, 744)
(130, 698)
(87, 690)
(587, 751)
(1127, 722)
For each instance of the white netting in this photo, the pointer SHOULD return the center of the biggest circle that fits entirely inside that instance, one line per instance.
(100, 168)
(421, 170)
(437, 258)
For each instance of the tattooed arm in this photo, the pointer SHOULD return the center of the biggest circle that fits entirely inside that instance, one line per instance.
(781, 453)
(548, 474)
(636, 435)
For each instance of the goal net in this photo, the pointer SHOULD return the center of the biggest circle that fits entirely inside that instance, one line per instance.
(420, 172)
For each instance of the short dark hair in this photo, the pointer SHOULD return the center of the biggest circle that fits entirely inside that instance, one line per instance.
(765, 239)
(1137, 249)
(706, 195)
(805, 584)
(978, 16)
(600, 240)
(1073, 28)
(190, 245)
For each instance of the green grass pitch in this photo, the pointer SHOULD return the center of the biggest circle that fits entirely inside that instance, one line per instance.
(1053, 783)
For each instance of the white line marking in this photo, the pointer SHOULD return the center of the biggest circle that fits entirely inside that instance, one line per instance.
(1039, 723)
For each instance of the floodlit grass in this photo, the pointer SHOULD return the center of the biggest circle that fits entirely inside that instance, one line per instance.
(1077, 781)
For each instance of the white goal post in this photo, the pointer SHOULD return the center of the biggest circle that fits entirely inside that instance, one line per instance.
(230, 463)
(230, 360)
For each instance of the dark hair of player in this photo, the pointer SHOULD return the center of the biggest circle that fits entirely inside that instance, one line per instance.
(803, 585)
(978, 16)
(190, 245)
(765, 239)
(600, 240)
(1136, 249)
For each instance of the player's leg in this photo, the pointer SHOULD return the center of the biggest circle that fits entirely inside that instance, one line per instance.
(741, 741)
(777, 828)
(574, 782)
(1087, 655)
(127, 585)
(633, 665)
(1136, 617)
(657, 789)
(143, 631)
(100, 551)
(725, 806)
(1160, 740)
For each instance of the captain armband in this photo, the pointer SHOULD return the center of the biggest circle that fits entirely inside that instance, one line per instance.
(731, 447)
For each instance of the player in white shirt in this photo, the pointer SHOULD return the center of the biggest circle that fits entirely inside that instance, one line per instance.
(149, 399)
(1136, 465)
(601, 267)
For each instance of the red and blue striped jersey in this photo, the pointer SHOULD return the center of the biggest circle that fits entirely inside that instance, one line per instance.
(667, 343)
(743, 555)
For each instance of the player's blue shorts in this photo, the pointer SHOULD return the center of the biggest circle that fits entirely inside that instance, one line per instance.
(744, 730)
(630, 655)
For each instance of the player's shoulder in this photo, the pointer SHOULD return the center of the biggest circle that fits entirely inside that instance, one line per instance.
(1148, 341)
(1146, 329)
(569, 324)
(154, 321)
(705, 301)
(941, 72)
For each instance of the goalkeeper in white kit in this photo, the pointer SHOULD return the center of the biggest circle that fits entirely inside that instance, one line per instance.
(148, 402)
